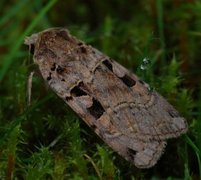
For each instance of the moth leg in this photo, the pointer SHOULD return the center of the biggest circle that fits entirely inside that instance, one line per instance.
(29, 88)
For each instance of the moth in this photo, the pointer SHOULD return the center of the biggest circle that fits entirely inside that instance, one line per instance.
(122, 110)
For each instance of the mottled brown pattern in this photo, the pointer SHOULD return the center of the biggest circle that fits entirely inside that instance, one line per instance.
(120, 108)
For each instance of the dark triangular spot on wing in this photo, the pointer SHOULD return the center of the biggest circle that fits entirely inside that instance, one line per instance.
(128, 80)
(78, 90)
(108, 64)
(96, 109)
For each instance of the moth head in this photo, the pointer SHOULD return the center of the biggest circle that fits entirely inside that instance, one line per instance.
(45, 36)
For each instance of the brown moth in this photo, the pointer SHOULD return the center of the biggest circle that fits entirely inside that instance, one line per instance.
(133, 120)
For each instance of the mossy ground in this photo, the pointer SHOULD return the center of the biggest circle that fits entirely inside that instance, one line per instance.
(47, 140)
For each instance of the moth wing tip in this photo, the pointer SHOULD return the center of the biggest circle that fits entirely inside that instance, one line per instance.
(182, 125)
(150, 155)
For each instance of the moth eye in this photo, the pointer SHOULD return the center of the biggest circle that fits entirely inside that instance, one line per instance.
(128, 80)
(77, 91)
(96, 109)
(107, 64)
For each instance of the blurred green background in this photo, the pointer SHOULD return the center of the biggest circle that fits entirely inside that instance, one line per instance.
(47, 140)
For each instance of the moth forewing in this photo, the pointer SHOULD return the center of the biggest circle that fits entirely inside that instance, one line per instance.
(121, 109)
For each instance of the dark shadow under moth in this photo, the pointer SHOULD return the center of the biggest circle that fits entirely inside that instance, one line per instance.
(133, 120)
